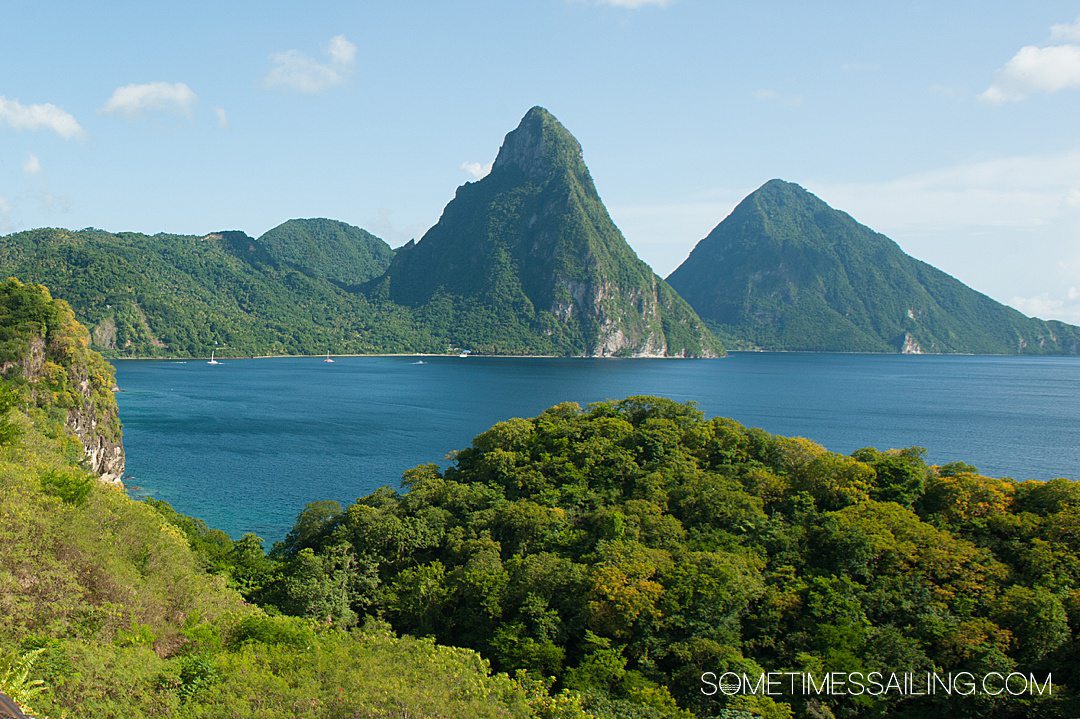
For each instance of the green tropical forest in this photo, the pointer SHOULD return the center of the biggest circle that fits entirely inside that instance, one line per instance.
(627, 547)
(525, 261)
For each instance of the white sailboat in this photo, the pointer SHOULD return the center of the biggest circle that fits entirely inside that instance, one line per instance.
(328, 358)
(212, 360)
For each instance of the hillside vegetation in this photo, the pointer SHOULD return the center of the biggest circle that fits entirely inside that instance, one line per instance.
(628, 547)
(784, 271)
(529, 257)
(106, 610)
(329, 249)
(173, 295)
(525, 261)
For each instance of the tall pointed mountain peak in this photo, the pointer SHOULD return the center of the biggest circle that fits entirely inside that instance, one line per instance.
(785, 271)
(528, 261)
(540, 145)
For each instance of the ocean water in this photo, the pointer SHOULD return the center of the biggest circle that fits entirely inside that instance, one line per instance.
(246, 444)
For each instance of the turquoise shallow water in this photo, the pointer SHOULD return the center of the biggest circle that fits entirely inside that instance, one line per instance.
(246, 444)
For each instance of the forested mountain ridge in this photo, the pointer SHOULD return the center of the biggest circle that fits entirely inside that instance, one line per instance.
(528, 258)
(784, 271)
(328, 249)
(526, 261)
(117, 609)
(183, 295)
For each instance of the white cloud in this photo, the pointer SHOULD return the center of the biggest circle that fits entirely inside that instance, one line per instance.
(1069, 32)
(1065, 307)
(341, 51)
(1039, 69)
(38, 117)
(1026, 192)
(32, 166)
(293, 70)
(476, 169)
(222, 117)
(1035, 70)
(151, 96)
(633, 4)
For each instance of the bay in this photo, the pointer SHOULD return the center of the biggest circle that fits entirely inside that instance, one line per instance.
(244, 445)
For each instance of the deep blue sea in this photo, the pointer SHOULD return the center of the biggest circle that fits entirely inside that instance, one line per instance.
(246, 444)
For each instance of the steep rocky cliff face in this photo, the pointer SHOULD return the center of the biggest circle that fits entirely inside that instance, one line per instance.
(45, 355)
(97, 425)
(528, 260)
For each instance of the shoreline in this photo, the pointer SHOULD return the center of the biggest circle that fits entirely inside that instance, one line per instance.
(582, 357)
(398, 354)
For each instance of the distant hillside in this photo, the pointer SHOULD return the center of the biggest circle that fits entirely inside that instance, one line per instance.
(328, 249)
(785, 271)
(178, 295)
(527, 260)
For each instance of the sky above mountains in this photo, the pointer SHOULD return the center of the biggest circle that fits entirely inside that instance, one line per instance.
(949, 128)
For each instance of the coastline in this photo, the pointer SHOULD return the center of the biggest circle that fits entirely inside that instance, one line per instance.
(728, 354)
(398, 354)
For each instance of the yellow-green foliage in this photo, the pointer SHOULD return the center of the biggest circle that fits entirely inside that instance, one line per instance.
(45, 354)
(629, 546)
(124, 622)
(107, 611)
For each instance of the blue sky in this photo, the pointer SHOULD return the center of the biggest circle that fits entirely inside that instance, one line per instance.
(950, 127)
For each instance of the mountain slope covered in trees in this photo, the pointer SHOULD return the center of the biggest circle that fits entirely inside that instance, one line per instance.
(528, 257)
(785, 271)
(179, 295)
(328, 249)
(526, 261)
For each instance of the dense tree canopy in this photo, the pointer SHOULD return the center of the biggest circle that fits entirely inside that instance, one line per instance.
(628, 547)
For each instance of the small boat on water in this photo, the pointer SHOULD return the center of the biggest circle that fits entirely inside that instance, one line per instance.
(212, 360)
(465, 353)
(420, 362)
(328, 358)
